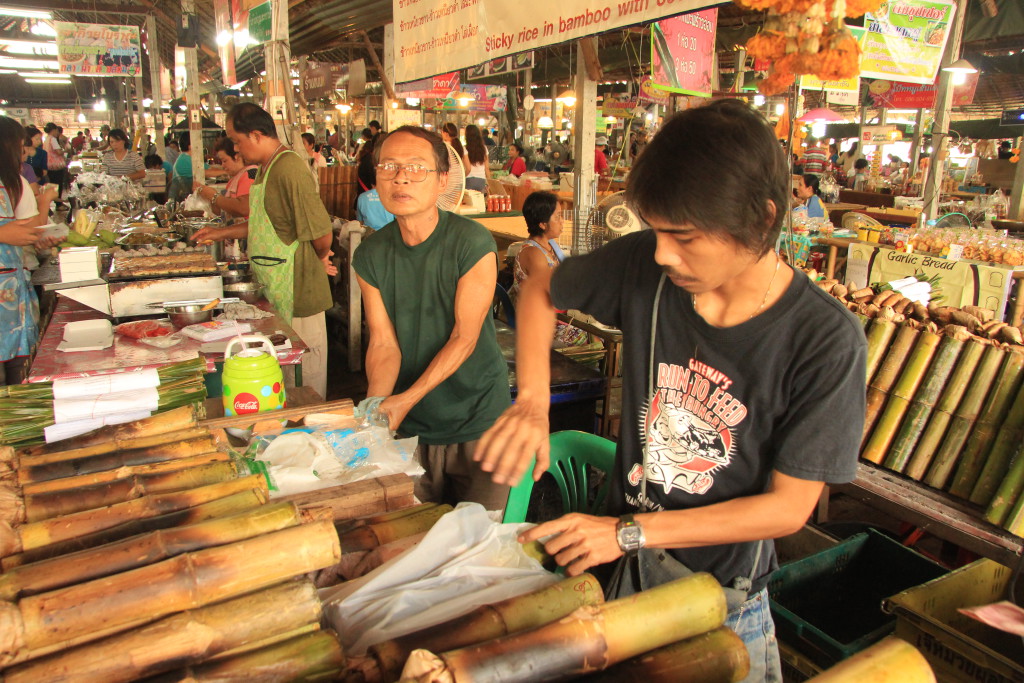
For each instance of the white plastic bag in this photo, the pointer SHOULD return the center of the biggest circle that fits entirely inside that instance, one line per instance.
(465, 561)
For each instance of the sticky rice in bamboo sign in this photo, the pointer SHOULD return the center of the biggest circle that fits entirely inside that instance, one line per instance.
(684, 53)
(904, 40)
(97, 49)
(433, 38)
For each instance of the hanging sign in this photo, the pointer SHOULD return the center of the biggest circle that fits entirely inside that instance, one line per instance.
(874, 134)
(649, 93)
(456, 34)
(486, 98)
(905, 39)
(504, 65)
(812, 82)
(97, 49)
(896, 95)
(623, 109)
(261, 23)
(430, 88)
(327, 80)
(684, 53)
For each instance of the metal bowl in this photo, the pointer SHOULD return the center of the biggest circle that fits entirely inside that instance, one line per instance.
(183, 315)
(249, 292)
(231, 276)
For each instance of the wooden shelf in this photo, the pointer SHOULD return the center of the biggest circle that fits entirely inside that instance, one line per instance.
(936, 512)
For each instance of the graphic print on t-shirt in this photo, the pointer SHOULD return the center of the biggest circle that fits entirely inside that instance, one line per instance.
(688, 425)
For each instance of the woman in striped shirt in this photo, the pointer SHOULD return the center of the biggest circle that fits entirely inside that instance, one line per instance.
(119, 160)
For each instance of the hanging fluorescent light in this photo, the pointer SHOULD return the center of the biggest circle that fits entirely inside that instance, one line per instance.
(100, 105)
(26, 13)
(41, 29)
(412, 101)
(28, 47)
(29, 64)
(81, 118)
(46, 81)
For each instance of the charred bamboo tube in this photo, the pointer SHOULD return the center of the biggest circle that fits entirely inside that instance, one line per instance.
(114, 446)
(122, 472)
(373, 535)
(57, 529)
(997, 464)
(487, 622)
(911, 377)
(887, 374)
(170, 421)
(221, 507)
(111, 461)
(880, 334)
(313, 657)
(348, 525)
(138, 551)
(963, 418)
(992, 415)
(148, 593)
(889, 661)
(187, 637)
(718, 656)
(938, 421)
(591, 639)
(47, 505)
(1010, 488)
(924, 400)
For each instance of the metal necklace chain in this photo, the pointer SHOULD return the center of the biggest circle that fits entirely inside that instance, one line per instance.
(778, 262)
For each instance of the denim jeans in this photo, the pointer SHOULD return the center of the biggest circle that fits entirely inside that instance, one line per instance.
(752, 621)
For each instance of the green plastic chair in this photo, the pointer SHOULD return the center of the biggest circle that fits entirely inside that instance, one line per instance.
(571, 452)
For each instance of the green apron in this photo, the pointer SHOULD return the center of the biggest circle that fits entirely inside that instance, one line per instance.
(278, 280)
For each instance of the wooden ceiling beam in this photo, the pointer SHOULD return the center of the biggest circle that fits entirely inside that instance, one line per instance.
(73, 6)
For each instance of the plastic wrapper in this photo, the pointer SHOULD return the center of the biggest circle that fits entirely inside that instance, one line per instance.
(299, 460)
(466, 560)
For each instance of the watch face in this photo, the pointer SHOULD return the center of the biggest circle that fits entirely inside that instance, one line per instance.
(630, 538)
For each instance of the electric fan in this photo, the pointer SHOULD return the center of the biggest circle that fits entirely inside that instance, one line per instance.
(451, 198)
(853, 220)
(954, 220)
(610, 219)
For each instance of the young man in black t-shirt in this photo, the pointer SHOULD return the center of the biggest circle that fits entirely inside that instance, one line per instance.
(750, 397)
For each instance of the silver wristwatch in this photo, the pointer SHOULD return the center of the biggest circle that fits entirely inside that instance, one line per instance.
(630, 535)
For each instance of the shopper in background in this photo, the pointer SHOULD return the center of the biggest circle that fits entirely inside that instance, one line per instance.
(541, 251)
(516, 164)
(28, 150)
(316, 159)
(433, 362)
(848, 158)
(56, 161)
(859, 180)
(78, 142)
(21, 214)
(1005, 150)
(806, 195)
(476, 154)
(155, 181)
(729, 427)
(815, 157)
(235, 200)
(833, 154)
(120, 160)
(450, 134)
(638, 144)
(171, 152)
(370, 211)
(600, 158)
(181, 175)
(289, 234)
(38, 159)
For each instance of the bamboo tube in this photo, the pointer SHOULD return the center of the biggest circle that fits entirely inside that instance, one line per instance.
(484, 623)
(1014, 522)
(57, 529)
(221, 507)
(137, 551)
(348, 525)
(122, 472)
(880, 334)
(112, 446)
(963, 418)
(924, 400)
(1009, 490)
(718, 656)
(313, 657)
(110, 461)
(184, 582)
(373, 535)
(887, 375)
(161, 423)
(590, 639)
(889, 661)
(992, 415)
(903, 391)
(184, 638)
(47, 505)
(953, 392)
(997, 464)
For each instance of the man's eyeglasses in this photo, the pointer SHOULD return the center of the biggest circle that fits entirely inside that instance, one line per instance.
(415, 173)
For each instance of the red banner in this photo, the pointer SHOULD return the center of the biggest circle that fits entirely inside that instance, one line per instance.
(684, 52)
(896, 95)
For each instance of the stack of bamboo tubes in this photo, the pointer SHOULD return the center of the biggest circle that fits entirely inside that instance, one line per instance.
(945, 399)
(338, 190)
(140, 549)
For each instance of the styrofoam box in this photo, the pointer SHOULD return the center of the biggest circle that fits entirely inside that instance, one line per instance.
(79, 263)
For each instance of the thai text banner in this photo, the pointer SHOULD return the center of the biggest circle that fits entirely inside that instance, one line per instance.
(97, 49)
(432, 38)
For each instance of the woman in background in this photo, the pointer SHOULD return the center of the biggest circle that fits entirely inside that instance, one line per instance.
(450, 134)
(807, 191)
(541, 250)
(56, 162)
(121, 160)
(476, 153)
(235, 200)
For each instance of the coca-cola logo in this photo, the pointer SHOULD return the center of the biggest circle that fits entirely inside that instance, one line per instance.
(246, 403)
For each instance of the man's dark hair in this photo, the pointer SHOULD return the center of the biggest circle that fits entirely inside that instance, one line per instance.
(153, 161)
(308, 137)
(375, 124)
(726, 148)
(860, 163)
(537, 209)
(246, 117)
(185, 141)
(1005, 144)
(435, 140)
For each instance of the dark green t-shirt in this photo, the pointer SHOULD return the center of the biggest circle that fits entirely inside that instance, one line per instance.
(418, 287)
(292, 201)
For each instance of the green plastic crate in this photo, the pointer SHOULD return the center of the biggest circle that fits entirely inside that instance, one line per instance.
(828, 606)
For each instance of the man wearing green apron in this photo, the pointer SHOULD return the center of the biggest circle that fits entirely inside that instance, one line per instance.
(289, 235)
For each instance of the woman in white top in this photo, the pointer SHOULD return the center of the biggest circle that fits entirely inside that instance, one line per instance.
(316, 159)
(848, 158)
(450, 134)
(120, 161)
(476, 153)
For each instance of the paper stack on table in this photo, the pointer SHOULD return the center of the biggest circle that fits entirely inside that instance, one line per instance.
(216, 329)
